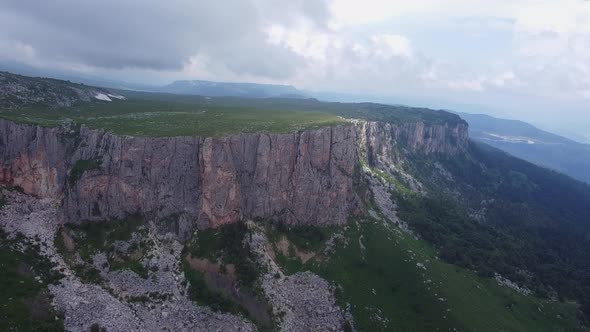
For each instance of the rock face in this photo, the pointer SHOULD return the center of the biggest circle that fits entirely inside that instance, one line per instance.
(383, 143)
(183, 182)
(32, 158)
(304, 178)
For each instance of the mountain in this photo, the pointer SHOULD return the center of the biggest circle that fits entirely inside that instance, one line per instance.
(74, 77)
(187, 87)
(219, 89)
(532, 144)
(162, 211)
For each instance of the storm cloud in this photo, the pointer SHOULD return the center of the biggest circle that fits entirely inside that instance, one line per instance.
(156, 35)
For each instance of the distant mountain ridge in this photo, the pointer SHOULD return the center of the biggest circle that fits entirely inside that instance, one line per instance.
(527, 142)
(186, 87)
(220, 89)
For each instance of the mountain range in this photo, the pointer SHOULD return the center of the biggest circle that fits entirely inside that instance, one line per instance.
(220, 89)
(525, 141)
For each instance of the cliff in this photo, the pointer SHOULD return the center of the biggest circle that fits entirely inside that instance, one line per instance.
(187, 182)
(305, 178)
(385, 144)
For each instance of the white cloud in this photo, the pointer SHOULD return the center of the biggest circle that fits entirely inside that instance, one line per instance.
(387, 46)
(550, 54)
(10, 50)
(504, 79)
(564, 16)
(305, 42)
(352, 12)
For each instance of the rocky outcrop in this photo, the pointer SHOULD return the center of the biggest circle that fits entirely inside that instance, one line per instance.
(304, 301)
(385, 143)
(303, 178)
(123, 301)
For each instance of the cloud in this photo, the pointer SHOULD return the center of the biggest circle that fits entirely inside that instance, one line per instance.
(387, 46)
(10, 50)
(381, 64)
(536, 47)
(157, 35)
(552, 48)
(352, 12)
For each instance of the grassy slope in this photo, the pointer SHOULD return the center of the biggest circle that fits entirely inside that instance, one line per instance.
(408, 301)
(536, 220)
(24, 302)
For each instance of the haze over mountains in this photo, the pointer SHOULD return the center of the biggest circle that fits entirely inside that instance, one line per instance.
(220, 89)
(525, 141)
(187, 87)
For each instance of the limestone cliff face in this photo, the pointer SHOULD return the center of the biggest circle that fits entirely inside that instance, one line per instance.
(186, 182)
(32, 158)
(387, 143)
(180, 182)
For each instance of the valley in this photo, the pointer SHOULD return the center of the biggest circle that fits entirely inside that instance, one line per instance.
(524, 141)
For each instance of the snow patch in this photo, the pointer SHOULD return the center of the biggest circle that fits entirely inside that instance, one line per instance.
(117, 96)
(102, 96)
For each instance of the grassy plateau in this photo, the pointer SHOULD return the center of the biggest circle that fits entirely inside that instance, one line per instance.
(160, 115)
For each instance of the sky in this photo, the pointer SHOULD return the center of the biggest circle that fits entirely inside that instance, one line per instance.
(522, 59)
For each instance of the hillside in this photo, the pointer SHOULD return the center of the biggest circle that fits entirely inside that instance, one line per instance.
(18, 91)
(163, 211)
(496, 215)
(532, 144)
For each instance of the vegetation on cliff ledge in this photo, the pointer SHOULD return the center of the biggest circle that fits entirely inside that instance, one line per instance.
(80, 167)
